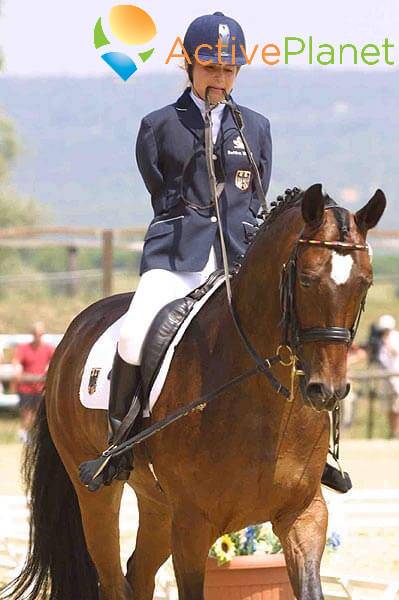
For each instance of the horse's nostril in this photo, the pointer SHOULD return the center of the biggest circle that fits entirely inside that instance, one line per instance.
(315, 390)
(343, 391)
(347, 390)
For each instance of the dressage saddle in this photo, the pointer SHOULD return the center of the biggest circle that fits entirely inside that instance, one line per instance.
(164, 328)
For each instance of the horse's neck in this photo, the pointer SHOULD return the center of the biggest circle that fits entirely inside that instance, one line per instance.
(257, 298)
(256, 291)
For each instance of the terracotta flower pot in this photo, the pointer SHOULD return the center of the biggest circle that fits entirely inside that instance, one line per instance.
(263, 577)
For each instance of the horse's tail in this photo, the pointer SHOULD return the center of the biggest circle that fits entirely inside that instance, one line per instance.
(58, 565)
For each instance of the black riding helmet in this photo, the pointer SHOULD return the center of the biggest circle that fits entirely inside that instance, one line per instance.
(207, 29)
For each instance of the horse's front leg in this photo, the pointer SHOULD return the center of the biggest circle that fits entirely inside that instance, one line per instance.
(192, 536)
(303, 538)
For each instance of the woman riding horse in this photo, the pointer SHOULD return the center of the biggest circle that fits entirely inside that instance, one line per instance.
(181, 245)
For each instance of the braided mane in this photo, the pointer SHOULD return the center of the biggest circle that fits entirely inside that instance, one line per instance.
(291, 197)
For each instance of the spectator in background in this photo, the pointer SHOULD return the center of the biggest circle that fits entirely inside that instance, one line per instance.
(385, 352)
(356, 354)
(31, 359)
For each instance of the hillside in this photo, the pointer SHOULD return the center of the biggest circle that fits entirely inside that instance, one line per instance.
(337, 127)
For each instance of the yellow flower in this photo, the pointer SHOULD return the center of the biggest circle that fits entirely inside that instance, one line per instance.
(224, 549)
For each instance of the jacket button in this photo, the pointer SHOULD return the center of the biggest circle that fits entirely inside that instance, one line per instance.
(214, 156)
(214, 219)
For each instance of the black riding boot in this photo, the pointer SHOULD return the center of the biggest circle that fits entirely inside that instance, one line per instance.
(125, 379)
(125, 397)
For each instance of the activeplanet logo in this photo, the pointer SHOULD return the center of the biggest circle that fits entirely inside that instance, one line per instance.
(272, 54)
(133, 26)
(130, 25)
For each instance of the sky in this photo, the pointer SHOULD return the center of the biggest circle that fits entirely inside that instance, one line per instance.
(50, 37)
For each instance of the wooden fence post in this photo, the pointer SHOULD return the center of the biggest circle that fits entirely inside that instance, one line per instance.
(108, 249)
(72, 284)
(372, 397)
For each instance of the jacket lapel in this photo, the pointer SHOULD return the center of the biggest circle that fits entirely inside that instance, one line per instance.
(189, 114)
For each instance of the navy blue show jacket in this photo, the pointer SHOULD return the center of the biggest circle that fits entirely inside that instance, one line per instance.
(170, 153)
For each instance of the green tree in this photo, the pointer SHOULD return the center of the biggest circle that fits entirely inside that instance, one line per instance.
(15, 210)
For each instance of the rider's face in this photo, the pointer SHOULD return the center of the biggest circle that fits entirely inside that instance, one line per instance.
(217, 77)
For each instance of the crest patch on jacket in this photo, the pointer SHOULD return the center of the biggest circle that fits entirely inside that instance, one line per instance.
(242, 179)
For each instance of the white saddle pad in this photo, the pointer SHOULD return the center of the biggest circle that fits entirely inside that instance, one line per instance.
(94, 385)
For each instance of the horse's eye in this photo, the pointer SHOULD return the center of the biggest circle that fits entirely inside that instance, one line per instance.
(305, 280)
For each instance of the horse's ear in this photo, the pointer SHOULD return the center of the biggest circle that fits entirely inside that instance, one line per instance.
(368, 216)
(313, 205)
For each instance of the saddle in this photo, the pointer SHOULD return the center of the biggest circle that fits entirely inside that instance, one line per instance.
(164, 328)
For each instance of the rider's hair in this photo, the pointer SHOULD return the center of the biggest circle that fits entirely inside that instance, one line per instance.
(189, 70)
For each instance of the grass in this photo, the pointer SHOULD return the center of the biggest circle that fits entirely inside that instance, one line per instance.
(382, 298)
(9, 426)
(35, 302)
(359, 427)
(19, 307)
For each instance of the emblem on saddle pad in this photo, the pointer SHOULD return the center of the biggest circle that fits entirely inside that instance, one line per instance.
(94, 373)
(242, 179)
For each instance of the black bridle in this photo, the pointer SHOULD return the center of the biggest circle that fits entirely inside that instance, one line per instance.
(293, 335)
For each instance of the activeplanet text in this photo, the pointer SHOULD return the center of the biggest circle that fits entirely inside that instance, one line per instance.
(287, 53)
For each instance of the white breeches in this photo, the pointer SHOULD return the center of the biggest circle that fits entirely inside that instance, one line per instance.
(156, 288)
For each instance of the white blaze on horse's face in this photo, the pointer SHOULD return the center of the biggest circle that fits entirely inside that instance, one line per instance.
(341, 267)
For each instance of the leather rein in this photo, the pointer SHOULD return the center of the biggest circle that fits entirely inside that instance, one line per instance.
(293, 336)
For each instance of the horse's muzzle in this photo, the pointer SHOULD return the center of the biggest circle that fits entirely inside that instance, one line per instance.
(322, 397)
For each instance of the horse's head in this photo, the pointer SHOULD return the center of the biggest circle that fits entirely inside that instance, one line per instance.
(327, 285)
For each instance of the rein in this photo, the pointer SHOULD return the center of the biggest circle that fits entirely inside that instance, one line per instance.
(215, 194)
(293, 336)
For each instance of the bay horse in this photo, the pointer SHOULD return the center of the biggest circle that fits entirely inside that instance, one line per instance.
(249, 457)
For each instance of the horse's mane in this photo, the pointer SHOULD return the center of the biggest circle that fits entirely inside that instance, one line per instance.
(283, 202)
(292, 197)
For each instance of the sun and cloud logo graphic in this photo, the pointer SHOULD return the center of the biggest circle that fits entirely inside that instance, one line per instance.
(132, 26)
